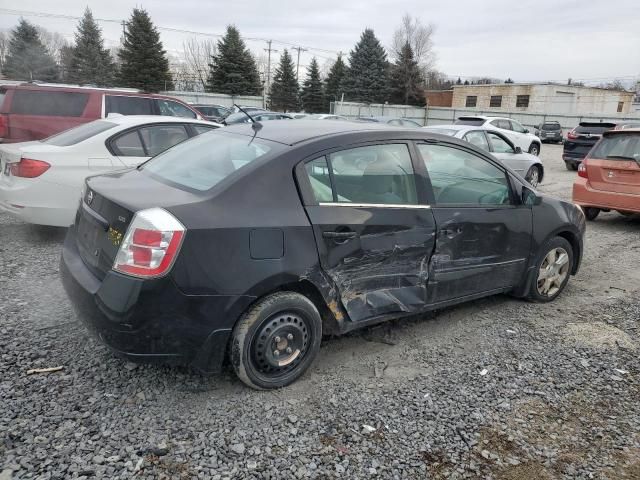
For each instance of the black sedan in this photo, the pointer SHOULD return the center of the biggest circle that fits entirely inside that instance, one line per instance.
(254, 241)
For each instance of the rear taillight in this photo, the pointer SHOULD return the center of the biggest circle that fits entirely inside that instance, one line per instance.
(572, 135)
(28, 168)
(4, 126)
(151, 244)
(582, 169)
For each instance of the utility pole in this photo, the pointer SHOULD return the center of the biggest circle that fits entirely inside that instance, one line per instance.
(268, 82)
(299, 49)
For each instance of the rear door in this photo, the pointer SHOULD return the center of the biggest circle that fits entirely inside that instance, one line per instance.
(483, 234)
(614, 164)
(373, 232)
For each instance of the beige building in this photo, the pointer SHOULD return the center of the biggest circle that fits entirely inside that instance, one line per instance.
(544, 98)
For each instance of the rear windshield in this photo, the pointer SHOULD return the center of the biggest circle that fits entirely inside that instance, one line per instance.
(551, 126)
(78, 134)
(476, 122)
(625, 146)
(48, 103)
(593, 129)
(206, 160)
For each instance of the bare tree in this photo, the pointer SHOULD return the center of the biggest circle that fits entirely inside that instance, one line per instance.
(196, 57)
(54, 42)
(419, 37)
(325, 68)
(4, 47)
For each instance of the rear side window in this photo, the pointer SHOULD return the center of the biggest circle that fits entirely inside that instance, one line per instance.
(48, 103)
(79, 134)
(501, 123)
(460, 178)
(174, 109)
(159, 138)
(204, 161)
(129, 145)
(618, 147)
(318, 173)
(128, 105)
(376, 174)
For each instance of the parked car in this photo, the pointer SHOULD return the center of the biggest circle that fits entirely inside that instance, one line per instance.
(625, 125)
(526, 165)
(192, 255)
(258, 116)
(35, 111)
(396, 122)
(549, 132)
(327, 116)
(580, 140)
(519, 135)
(609, 178)
(40, 182)
(213, 113)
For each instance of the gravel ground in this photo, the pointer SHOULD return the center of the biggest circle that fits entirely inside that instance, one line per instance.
(497, 388)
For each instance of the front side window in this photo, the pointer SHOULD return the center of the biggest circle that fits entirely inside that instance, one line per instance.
(472, 100)
(478, 139)
(125, 105)
(158, 138)
(48, 103)
(376, 174)
(206, 160)
(517, 127)
(174, 109)
(499, 144)
(461, 178)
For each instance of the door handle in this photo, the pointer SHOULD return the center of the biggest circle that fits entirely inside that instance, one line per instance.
(340, 237)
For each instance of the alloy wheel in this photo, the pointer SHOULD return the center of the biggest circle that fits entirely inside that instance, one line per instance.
(534, 177)
(553, 272)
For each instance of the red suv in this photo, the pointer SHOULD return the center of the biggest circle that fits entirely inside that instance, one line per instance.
(33, 111)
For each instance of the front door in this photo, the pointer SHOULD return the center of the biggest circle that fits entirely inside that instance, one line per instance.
(483, 235)
(374, 236)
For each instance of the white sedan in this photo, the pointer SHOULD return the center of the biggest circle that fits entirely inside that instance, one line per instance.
(41, 182)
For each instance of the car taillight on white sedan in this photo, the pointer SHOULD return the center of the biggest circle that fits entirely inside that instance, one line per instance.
(28, 168)
(151, 244)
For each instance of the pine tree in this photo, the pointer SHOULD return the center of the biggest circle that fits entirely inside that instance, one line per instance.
(366, 79)
(233, 70)
(406, 79)
(27, 57)
(333, 86)
(284, 89)
(91, 62)
(459, 81)
(312, 95)
(144, 62)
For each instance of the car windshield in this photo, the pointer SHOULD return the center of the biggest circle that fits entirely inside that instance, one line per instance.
(206, 160)
(618, 147)
(79, 134)
(476, 122)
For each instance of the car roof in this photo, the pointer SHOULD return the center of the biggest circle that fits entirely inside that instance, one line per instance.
(291, 133)
(138, 119)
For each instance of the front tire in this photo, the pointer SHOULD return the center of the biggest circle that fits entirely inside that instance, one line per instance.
(276, 340)
(591, 213)
(553, 269)
(533, 176)
(534, 149)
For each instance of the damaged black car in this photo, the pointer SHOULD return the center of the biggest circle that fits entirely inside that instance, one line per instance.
(252, 242)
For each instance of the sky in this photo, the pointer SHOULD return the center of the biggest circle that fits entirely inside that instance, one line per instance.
(542, 40)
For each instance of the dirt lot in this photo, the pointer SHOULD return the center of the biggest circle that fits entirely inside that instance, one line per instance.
(497, 388)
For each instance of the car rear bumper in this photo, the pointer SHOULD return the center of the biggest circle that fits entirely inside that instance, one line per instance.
(42, 203)
(585, 196)
(150, 321)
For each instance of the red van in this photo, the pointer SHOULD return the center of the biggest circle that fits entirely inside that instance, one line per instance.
(32, 111)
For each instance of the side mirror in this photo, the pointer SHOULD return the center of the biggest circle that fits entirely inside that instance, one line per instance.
(530, 197)
(526, 130)
(518, 150)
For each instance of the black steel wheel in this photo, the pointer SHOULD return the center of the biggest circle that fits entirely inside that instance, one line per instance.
(276, 340)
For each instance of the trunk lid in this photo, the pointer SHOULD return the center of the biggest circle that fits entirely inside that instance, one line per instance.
(107, 208)
(614, 164)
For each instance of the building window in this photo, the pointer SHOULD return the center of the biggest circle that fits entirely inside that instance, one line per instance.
(620, 106)
(522, 101)
(472, 100)
(496, 101)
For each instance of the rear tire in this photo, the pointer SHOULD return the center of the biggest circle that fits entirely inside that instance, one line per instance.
(591, 213)
(571, 166)
(276, 340)
(534, 149)
(552, 272)
(533, 176)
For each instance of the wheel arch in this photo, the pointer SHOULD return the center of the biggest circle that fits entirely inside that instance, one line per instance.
(573, 240)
